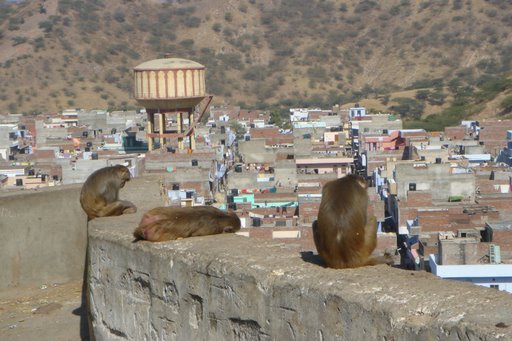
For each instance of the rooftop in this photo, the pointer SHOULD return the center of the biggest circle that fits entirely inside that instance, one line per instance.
(168, 64)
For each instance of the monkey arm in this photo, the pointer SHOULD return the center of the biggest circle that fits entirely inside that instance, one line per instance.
(370, 235)
(116, 208)
(371, 244)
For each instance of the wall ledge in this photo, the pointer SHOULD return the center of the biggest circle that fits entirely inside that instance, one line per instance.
(228, 287)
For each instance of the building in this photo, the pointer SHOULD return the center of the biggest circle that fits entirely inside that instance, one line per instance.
(498, 276)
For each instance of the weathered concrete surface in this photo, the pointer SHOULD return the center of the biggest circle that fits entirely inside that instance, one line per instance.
(43, 236)
(226, 287)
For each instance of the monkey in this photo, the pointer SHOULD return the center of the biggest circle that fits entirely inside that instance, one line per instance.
(100, 193)
(171, 223)
(344, 235)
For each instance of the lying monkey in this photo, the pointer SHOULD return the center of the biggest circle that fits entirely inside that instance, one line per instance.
(170, 223)
(344, 235)
(100, 193)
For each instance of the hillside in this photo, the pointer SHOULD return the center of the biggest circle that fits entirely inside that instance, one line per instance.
(56, 54)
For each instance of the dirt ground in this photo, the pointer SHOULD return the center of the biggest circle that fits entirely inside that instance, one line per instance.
(50, 312)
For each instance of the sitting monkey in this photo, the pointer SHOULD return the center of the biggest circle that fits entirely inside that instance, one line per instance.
(100, 193)
(344, 235)
(170, 223)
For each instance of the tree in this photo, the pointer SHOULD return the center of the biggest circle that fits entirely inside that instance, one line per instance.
(277, 117)
(436, 98)
(238, 129)
(408, 107)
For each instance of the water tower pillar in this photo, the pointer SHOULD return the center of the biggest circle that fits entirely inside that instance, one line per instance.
(192, 138)
(161, 119)
(179, 125)
(150, 131)
(178, 122)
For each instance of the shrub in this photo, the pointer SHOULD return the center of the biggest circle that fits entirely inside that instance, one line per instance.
(119, 16)
(457, 4)
(19, 40)
(64, 6)
(365, 5)
(422, 94)
(228, 33)
(426, 83)
(38, 43)
(232, 60)
(46, 26)
(111, 78)
(12, 107)
(217, 27)
(184, 11)
(15, 23)
(385, 99)
(491, 13)
(187, 43)
(192, 22)
(255, 73)
(100, 57)
(317, 73)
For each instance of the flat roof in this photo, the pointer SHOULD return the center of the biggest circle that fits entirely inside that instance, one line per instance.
(324, 160)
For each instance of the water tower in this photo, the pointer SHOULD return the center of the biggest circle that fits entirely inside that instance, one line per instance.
(173, 92)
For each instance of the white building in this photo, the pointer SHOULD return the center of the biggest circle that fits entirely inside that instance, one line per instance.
(299, 114)
(356, 113)
(498, 276)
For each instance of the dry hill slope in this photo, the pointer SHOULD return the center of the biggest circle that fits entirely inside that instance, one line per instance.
(56, 54)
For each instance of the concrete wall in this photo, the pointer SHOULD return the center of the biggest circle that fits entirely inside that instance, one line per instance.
(226, 287)
(44, 232)
(43, 236)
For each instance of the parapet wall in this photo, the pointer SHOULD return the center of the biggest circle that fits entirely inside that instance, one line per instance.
(43, 236)
(228, 287)
(43, 233)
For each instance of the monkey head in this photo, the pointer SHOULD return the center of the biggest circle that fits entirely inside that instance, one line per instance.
(124, 174)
